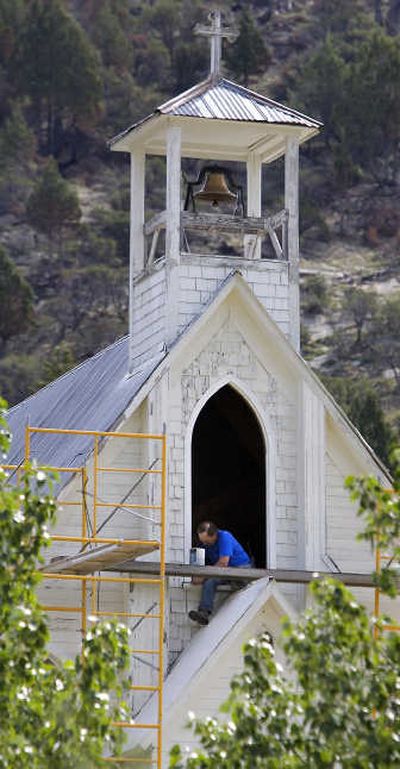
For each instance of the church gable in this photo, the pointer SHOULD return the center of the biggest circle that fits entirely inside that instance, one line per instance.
(215, 655)
(227, 349)
(235, 365)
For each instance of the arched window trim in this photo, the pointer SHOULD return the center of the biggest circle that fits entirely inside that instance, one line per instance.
(270, 454)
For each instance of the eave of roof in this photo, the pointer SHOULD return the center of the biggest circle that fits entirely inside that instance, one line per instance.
(225, 100)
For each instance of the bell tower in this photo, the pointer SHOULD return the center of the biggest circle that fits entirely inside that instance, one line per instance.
(215, 122)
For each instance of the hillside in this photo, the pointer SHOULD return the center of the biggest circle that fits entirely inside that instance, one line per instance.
(75, 73)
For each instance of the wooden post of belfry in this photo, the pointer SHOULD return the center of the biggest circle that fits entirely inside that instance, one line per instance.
(252, 243)
(216, 32)
(136, 235)
(173, 227)
(292, 206)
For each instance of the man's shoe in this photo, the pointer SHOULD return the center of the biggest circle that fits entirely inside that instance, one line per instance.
(200, 616)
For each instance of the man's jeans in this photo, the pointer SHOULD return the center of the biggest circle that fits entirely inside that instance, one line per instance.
(209, 587)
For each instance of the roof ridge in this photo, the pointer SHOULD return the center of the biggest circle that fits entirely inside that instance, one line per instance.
(186, 103)
(194, 90)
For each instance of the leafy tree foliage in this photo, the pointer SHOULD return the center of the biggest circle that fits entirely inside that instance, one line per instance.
(355, 91)
(50, 715)
(380, 508)
(170, 46)
(342, 711)
(16, 139)
(315, 295)
(108, 22)
(17, 148)
(373, 98)
(248, 54)
(385, 340)
(339, 17)
(11, 16)
(59, 360)
(53, 203)
(361, 404)
(393, 17)
(114, 224)
(322, 85)
(361, 307)
(58, 69)
(19, 375)
(16, 298)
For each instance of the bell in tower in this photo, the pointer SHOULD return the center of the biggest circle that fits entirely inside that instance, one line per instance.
(217, 187)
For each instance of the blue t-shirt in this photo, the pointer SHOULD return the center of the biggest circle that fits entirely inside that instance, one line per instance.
(226, 545)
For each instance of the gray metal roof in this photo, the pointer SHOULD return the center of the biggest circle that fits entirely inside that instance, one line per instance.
(225, 100)
(92, 396)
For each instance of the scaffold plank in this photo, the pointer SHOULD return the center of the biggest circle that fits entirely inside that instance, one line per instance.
(97, 559)
(234, 574)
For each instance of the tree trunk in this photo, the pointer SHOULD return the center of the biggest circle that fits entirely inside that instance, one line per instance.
(393, 18)
(50, 128)
(378, 12)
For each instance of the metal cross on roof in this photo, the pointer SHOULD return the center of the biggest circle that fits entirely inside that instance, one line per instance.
(216, 32)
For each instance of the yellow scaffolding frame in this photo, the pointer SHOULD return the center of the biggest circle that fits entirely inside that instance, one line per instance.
(84, 539)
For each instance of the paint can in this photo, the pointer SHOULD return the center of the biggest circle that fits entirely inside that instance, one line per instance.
(197, 556)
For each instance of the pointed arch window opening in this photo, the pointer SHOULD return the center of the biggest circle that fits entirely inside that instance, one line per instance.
(229, 471)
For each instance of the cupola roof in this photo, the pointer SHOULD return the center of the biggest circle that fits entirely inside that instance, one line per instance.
(206, 108)
(225, 100)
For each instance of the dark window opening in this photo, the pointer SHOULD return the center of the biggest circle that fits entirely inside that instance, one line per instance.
(228, 471)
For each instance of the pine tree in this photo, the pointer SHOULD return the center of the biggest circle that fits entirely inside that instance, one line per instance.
(11, 16)
(372, 116)
(53, 204)
(109, 25)
(361, 404)
(58, 68)
(248, 54)
(16, 299)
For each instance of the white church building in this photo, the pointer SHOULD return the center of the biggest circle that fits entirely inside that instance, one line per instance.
(211, 369)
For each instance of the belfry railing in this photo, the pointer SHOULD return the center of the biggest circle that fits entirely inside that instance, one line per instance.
(274, 228)
(78, 530)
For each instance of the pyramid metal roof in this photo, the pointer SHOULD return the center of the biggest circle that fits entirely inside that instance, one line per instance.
(225, 100)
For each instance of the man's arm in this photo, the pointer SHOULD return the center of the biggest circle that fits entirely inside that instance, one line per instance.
(223, 560)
